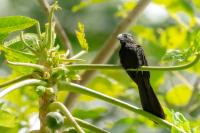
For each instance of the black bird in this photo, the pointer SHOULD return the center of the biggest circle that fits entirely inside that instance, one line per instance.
(132, 56)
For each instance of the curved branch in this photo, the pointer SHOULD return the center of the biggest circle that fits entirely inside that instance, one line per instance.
(89, 126)
(83, 90)
(36, 66)
(23, 77)
(142, 68)
(21, 84)
(66, 112)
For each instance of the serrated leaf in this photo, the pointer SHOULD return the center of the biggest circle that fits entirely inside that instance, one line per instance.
(7, 120)
(81, 36)
(15, 23)
(179, 95)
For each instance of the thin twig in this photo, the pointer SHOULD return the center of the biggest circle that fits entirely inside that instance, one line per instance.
(89, 126)
(36, 66)
(142, 68)
(21, 84)
(20, 78)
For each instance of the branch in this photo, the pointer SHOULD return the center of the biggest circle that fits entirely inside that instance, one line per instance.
(21, 84)
(110, 46)
(83, 90)
(59, 29)
(142, 68)
(15, 80)
(89, 126)
(66, 112)
(36, 66)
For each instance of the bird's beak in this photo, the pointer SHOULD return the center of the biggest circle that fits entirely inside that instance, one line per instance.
(119, 37)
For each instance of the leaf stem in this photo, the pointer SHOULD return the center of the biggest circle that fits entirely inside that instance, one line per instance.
(17, 79)
(67, 113)
(142, 68)
(62, 85)
(21, 84)
(79, 54)
(36, 66)
(39, 31)
(90, 126)
(27, 45)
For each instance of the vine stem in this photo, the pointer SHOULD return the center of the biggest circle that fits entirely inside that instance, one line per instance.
(36, 66)
(62, 85)
(20, 78)
(90, 126)
(21, 84)
(67, 113)
(142, 68)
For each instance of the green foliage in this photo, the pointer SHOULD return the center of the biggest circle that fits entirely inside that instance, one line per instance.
(181, 121)
(179, 95)
(175, 41)
(89, 114)
(81, 36)
(7, 119)
(15, 23)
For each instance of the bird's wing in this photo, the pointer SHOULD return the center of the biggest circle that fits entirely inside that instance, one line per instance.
(141, 56)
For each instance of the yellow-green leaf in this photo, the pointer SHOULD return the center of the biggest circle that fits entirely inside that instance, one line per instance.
(179, 95)
(15, 23)
(81, 36)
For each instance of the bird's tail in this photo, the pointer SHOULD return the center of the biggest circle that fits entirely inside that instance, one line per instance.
(148, 98)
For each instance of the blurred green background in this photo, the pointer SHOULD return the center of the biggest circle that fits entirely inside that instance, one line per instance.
(167, 30)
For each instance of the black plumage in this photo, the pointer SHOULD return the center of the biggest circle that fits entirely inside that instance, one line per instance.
(132, 56)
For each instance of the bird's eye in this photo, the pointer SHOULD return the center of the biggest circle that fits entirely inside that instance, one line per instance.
(125, 35)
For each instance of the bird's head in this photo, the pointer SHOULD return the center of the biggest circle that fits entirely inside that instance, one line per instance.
(125, 38)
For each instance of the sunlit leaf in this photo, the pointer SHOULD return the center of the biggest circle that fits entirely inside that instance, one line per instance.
(2, 37)
(15, 55)
(15, 23)
(17, 44)
(177, 5)
(180, 121)
(179, 95)
(125, 7)
(85, 3)
(7, 119)
(173, 37)
(81, 36)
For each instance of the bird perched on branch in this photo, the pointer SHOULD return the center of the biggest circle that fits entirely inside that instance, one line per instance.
(132, 56)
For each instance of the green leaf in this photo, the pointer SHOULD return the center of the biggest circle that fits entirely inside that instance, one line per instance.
(15, 23)
(18, 56)
(179, 95)
(125, 125)
(180, 121)
(15, 55)
(2, 37)
(89, 114)
(7, 119)
(177, 5)
(81, 36)
(18, 44)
